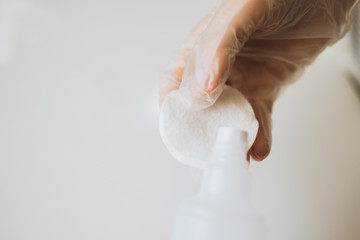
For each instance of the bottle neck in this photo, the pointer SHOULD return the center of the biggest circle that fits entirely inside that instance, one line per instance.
(227, 175)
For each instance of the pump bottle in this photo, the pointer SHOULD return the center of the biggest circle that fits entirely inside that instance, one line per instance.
(222, 209)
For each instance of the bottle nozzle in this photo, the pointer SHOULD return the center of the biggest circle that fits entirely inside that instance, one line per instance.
(231, 144)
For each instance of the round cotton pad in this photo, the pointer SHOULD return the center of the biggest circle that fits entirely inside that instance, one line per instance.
(190, 135)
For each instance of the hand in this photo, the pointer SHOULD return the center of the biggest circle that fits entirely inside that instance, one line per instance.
(258, 47)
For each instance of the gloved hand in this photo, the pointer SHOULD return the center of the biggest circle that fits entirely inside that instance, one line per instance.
(258, 47)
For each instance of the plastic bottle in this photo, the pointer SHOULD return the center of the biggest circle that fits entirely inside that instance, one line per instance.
(222, 210)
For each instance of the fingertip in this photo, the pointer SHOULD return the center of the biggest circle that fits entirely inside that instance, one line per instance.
(203, 98)
(206, 81)
(260, 149)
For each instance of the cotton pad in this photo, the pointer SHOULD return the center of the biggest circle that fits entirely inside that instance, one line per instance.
(190, 134)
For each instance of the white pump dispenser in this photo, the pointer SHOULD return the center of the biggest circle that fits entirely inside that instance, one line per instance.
(222, 210)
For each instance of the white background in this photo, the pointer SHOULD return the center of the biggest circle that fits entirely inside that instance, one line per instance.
(80, 152)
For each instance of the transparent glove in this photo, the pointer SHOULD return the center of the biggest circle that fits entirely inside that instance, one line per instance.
(257, 47)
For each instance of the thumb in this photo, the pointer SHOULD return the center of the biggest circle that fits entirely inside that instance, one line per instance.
(211, 60)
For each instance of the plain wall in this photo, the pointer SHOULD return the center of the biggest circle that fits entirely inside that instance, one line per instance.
(80, 151)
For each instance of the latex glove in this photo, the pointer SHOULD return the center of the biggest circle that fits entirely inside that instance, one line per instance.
(256, 46)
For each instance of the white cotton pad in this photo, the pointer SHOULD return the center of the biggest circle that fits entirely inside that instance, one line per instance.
(190, 135)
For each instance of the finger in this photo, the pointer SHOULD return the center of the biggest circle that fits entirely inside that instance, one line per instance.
(172, 78)
(213, 55)
(262, 144)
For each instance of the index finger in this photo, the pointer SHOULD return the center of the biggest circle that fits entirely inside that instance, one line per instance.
(172, 78)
